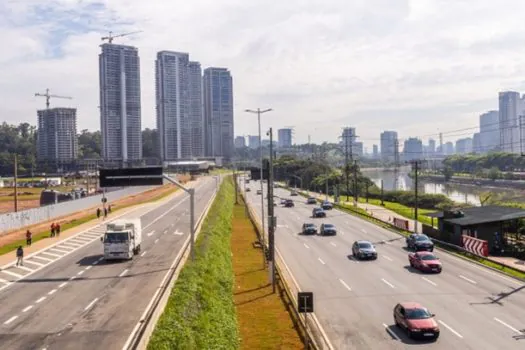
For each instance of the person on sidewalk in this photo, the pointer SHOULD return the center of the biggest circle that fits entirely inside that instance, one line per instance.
(29, 238)
(20, 256)
(105, 213)
(109, 208)
(57, 228)
(98, 213)
(53, 229)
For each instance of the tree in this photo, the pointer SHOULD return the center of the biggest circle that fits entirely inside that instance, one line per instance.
(150, 143)
(90, 144)
(448, 172)
(494, 173)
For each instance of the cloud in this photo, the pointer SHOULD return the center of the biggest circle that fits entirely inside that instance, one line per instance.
(415, 66)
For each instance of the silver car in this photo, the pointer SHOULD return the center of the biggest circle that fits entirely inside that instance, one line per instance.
(364, 250)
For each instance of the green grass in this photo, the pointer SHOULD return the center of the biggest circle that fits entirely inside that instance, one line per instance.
(200, 313)
(403, 210)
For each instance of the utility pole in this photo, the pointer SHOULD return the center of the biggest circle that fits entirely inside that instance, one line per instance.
(415, 164)
(16, 183)
(382, 193)
(271, 217)
(356, 198)
(236, 188)
(396, 163)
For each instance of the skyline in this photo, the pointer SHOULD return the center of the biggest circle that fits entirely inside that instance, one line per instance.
(394, 73)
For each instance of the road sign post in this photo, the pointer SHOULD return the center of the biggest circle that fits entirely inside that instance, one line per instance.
(305, 305)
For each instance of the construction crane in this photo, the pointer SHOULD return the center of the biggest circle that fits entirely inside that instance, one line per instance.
(110, 37)
(47, 95)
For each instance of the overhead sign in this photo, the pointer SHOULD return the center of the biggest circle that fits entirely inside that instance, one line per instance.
(305, 301)
(122, 177)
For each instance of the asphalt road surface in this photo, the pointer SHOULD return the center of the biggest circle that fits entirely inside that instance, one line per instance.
(81, 302)
(475, 307)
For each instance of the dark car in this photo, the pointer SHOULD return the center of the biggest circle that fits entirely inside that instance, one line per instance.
(248, 189)
(425, 262)
(364, 250)
(417, 321)
(283, 201)
(289, 203)
(327, 205)
(309, 229)
(318, 213)
(311, 200)
(418, 242)
(328, 230)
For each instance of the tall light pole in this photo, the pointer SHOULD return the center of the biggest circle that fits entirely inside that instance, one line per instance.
(259, 112)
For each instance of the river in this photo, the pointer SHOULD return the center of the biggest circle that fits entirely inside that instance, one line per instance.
(456, 192)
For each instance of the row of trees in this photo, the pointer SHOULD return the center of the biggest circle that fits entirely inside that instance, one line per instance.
(473, 163)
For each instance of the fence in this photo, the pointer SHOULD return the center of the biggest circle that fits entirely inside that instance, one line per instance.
(14, 221)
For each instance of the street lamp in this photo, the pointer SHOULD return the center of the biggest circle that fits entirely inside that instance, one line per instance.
(259, 112)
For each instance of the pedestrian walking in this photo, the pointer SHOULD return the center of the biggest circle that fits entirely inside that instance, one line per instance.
(109, 208)
(20, 256)
(53, 229)
(29, 238)
(98, 213)
(105, 212)
(57, 229)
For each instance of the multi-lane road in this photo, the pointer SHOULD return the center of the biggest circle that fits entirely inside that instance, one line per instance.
(475, 307)
(75, 300)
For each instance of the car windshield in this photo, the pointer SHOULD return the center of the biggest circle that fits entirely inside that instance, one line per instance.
(318, 209)
(328, 226)
(365, 245)
(309, 225)
(418, 314)
(421, 238)
(116, 237)
(428, 257)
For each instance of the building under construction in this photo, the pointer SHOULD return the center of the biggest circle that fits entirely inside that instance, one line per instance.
(57, 135)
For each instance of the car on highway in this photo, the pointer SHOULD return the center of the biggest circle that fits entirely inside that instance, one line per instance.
(364, 250)
(293, 193)
(418, 242)
(289, 203)
(283, 201)
(416, 320)
(309, 229)
(327, 230)
(248, 189)
(259, 192)
(326, 205)
(311, 200)
(318, 213)
(425, 262)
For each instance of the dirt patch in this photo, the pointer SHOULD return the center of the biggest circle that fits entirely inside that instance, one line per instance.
(9, 206)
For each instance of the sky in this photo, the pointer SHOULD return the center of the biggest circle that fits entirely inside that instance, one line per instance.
(419, 67)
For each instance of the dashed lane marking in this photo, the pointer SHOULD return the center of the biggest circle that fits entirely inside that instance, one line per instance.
(156, 241)
(346, 285)
(143, 253)
(450, 329)
(52, 291)
(332, 243)
(321, 261)
(90, 305)
(391, 332)
(63, 284)
(306, 246)
(151, 233)
(387, 258)
(387, 283)
(467, 279)
(123, 273)
(507, 325)
(40, 300)
(28, 308)
(429, 281)
(11, 320)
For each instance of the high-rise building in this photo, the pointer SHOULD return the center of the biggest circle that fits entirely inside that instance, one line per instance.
(389, 146)
(510, 108)
(375, 151)
(489, 131)
(357, 149)
(476, 143)
(218, 112)
(57, 135)
(413, 149)
(348, 138)
(120, 107)
(285, 138)
(431, 146)
(196, 110)
(253, 141)
(240, 142)
(448, 148)
(464, 145)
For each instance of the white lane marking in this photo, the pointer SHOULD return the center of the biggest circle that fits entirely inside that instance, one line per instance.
(364, 231)
(123, 273)
(332, 243)
(40, 300)
(72, 278)
(90, 266)
(151, 233)
(156, 240)
(342, 233)
(41, 258)
(391, 332)
(450, 329)
(83, 240)
(48, 253)
(346, 222)
(178, 233)
(25, 268)
(507, 325)
(95, 262)
(172, 225)
(60, 250)
(344, 284)
(78, 241)
(385, 242)
(166, 230)
(52, 291)
(28, 308)
(69, 244)
(387, 258)
(387, 283)
(143, 253)
(306, 246)
(80, 272)
(429, 281)
(321, 261)
(4, 281)
(62, 284)
(17, 275)
(468, 279)
(91, 304)
(100, 259)
(34, 263)
(11, 320)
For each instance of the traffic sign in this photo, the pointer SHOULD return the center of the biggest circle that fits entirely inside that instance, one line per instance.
(122, 177)
(305, 301)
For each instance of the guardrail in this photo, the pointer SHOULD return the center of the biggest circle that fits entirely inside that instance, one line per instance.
(315, 336)
(137, 339)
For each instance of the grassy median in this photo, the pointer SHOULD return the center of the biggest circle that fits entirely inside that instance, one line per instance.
(264, 321)
(200, 313)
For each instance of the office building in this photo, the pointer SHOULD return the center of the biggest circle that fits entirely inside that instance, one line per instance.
(476, 143)
(218, 112)
(448, 148)
(510, 108)
(431, 150)
(240, 142)
(285, 138)
(413, 149)
(389, 146)
(489, 131)
(464, 145)
(357, 149)
(253, 141)
(57, 135)
(120, 105)
(196, 109)
(375, 151)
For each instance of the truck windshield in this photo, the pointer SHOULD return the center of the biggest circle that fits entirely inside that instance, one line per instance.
(116, 237)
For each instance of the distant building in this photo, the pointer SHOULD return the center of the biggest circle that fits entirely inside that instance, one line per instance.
(57, 135)
(431, 147)
(489, 131)
(375, 151)
(120, 105)
(357, 149)
(266, 143)
(413, 149)
(285, 138)
(348, 138)
(240, 142)
(253, 141)
(510, 108)
(389, 146)
(476, 143)
(218, 112)
(448, 148)
(464, 145)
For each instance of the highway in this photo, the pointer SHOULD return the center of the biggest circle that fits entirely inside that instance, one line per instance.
(81, 302)
(476, 308)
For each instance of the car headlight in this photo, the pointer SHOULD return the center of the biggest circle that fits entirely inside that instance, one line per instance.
(416, 330)
(435, 329)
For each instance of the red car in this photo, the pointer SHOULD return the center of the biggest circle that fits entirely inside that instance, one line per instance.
(425, 262)
(417, 321)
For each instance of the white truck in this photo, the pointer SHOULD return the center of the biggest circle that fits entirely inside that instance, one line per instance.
(122, 239)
